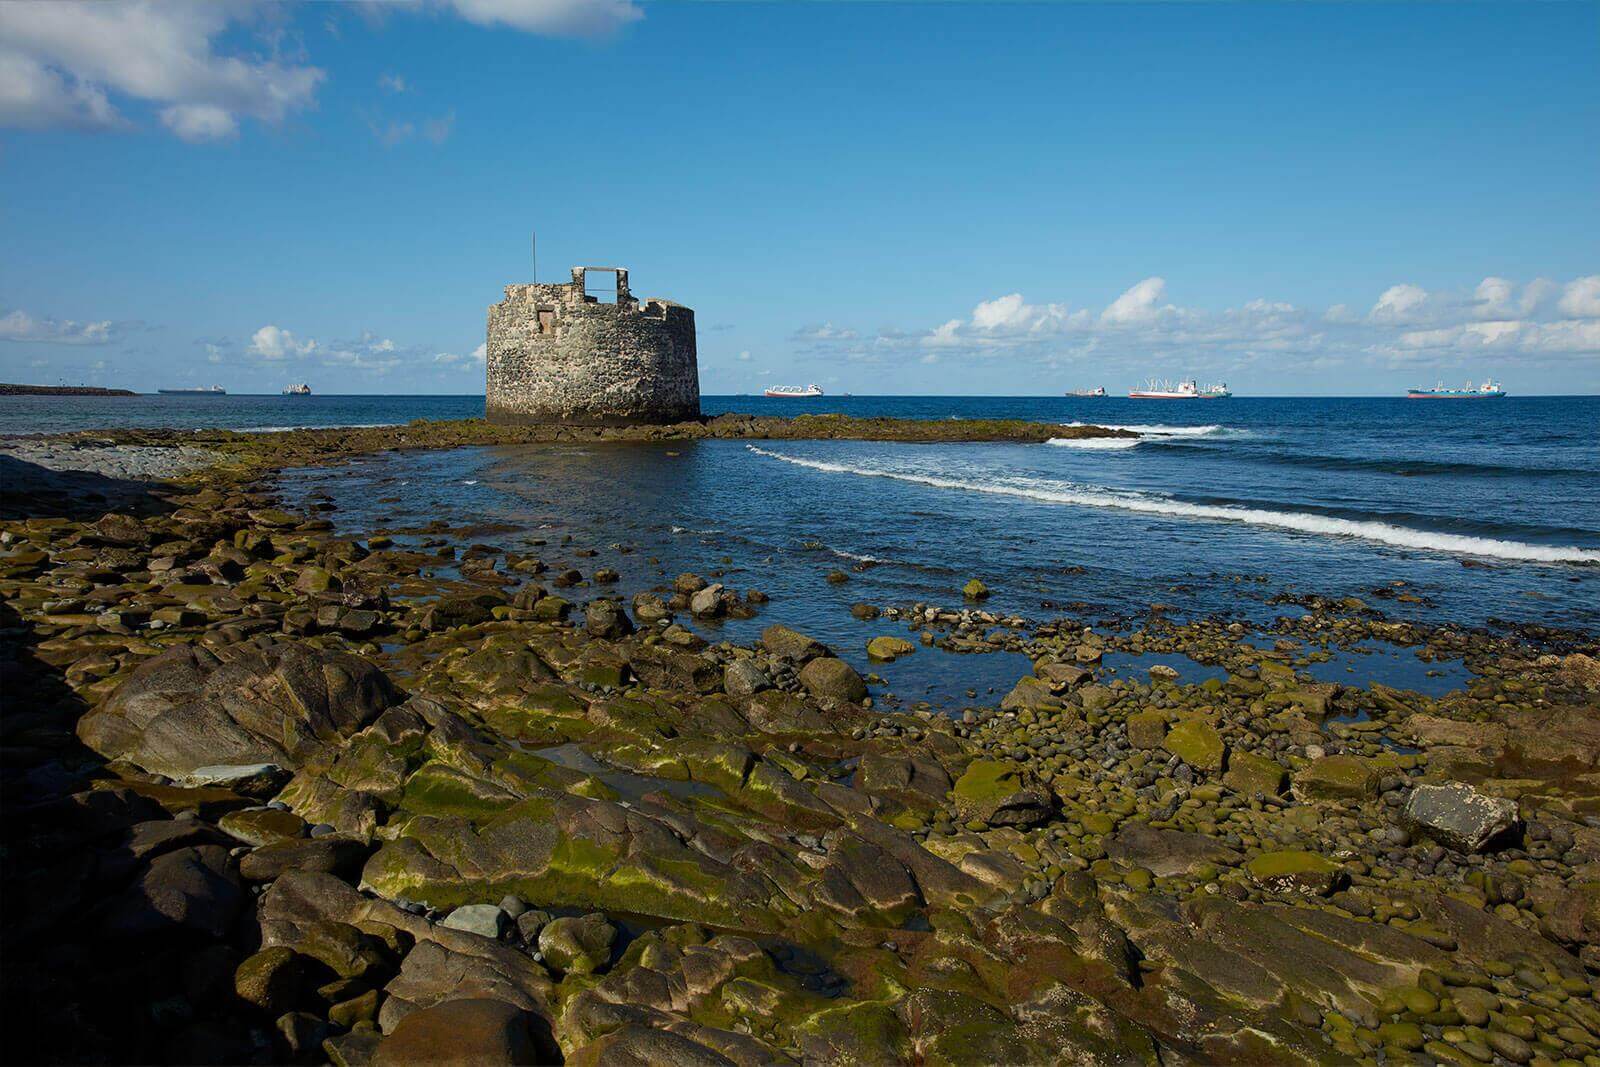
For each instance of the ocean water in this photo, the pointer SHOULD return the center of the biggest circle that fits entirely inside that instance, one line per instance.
(1488, 510)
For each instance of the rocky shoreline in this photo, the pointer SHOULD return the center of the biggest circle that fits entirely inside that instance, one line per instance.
(274, 795)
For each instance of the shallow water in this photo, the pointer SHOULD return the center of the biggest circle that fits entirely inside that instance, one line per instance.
(742, 515)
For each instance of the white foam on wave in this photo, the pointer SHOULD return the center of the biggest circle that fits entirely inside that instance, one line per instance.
(1161, 430)
(857, 556)
(1095, 443)
(1146, 504)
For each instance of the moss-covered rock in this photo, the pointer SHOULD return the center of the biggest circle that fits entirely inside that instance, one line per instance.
(1339, 777)
(1295, 870)
(994, 791)
(1254, 775)
(577, 944)
(1197, 743)
(884, 649)
(1147, 729)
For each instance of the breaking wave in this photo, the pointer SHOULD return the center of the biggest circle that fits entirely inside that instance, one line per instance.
(1147, 504)
(1161, 430)
(1094, 443)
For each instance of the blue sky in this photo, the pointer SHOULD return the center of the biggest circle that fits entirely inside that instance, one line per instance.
(937, 198)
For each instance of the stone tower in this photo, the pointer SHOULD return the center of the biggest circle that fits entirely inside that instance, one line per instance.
(555, 353)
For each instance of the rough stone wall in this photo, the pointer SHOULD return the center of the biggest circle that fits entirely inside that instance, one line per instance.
(556, 355)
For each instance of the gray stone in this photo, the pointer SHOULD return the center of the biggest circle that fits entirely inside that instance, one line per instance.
(605, 618)
(708, 603)
(1458, 816)
(744, 677)
(791, 644)
(486, 920)
(529, 923)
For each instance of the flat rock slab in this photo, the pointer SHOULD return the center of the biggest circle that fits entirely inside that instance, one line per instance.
(1458, 816)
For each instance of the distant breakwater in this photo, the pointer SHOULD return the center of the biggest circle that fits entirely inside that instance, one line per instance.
(300, 447)
(11, 389)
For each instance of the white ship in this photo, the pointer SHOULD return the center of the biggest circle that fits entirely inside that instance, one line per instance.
(1489, 389)
(1188, 389)
(1098, 390)
(793, 392)
(297, 389)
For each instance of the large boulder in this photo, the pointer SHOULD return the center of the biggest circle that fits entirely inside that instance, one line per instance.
(833, 679)
(192, 889)
(461, 1033)
(790, 644)
(605, 618)
(993, 791)
(1458, 816)
(190, 708)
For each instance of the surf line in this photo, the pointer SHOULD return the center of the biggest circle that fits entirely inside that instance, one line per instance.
(1301, 522)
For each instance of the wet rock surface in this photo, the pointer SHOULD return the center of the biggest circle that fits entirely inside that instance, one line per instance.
(271, 795)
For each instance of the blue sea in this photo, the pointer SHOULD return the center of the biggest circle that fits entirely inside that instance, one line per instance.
(1486, 510)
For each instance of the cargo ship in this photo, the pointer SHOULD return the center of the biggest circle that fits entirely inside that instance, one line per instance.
(793, 392)
(1098, 390)
(1488, 390)
(1188, 389)
(298, 389)
(214, 390)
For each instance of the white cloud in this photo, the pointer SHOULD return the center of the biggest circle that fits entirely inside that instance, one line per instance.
(393, 83)
(61, 60)
(473, 360)
(1140, 303)
(398, 131)
(274, 343)
(1400, 303)
(1494, 296)
(199, 122)
(32, 96)
(827, 331)
(1581, 297)
(1498, 319)
(564, 18)
(21, 327)
(743, 357)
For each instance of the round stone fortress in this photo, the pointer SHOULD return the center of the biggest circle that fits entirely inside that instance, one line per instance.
(556, 353)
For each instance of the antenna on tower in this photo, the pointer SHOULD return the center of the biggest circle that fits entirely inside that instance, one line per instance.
(533, 247)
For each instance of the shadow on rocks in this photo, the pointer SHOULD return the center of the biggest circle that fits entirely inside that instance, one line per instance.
(29, 490)
(93, 971)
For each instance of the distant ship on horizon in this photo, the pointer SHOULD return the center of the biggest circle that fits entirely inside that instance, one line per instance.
(1489, 389)
(793, 392)
(1098, 390)
(297, 389)
(1188, 389)
(198, 390)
